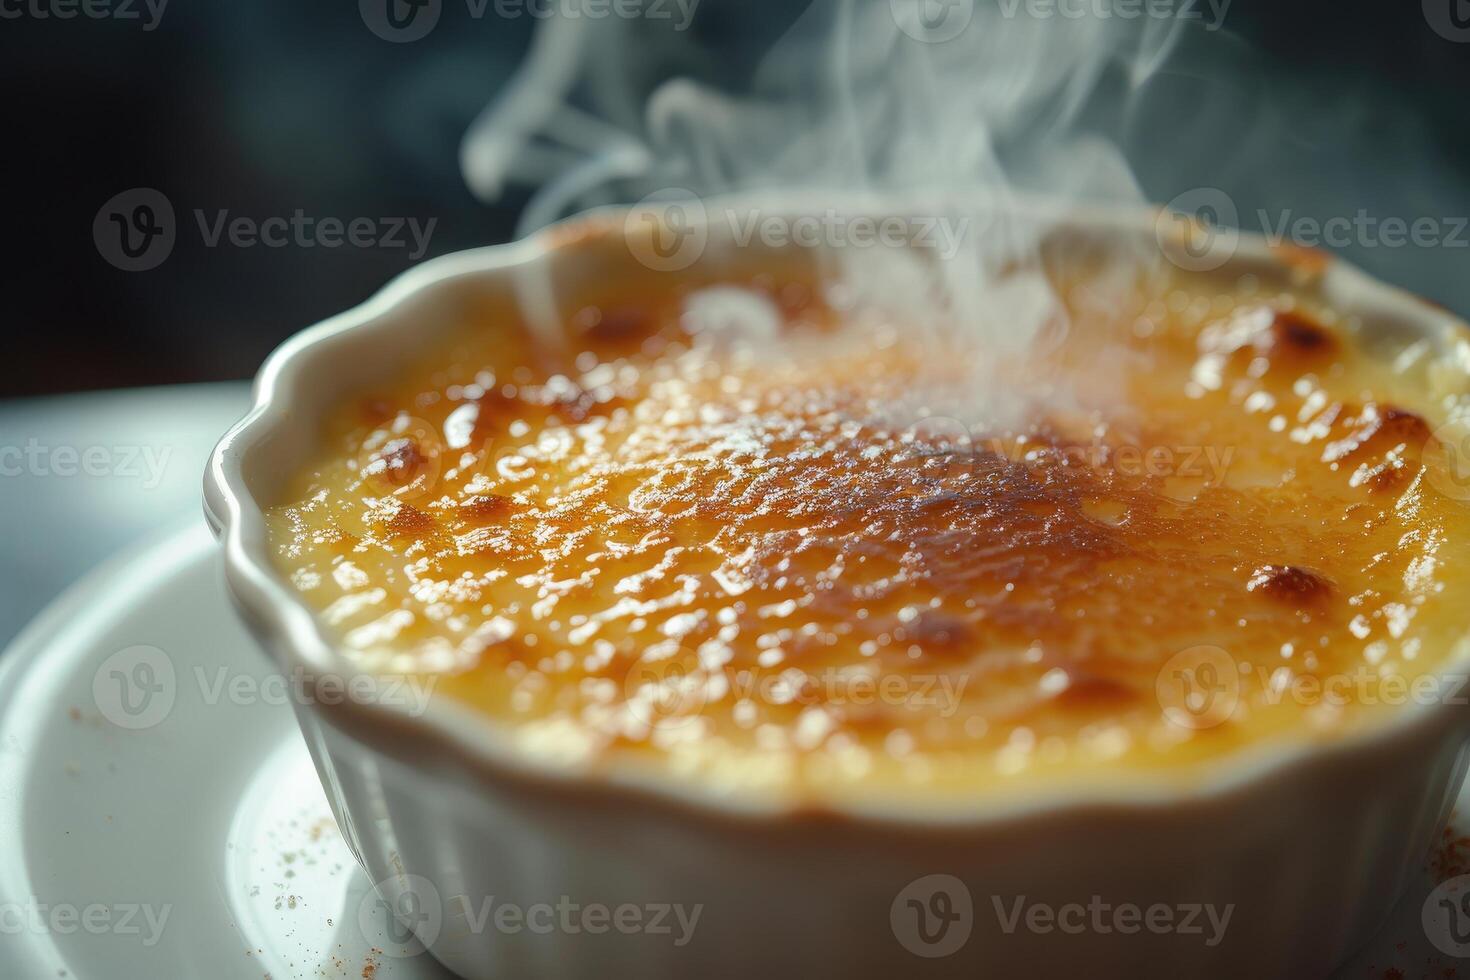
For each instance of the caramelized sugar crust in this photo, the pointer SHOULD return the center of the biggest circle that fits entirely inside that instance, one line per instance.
(775, 551)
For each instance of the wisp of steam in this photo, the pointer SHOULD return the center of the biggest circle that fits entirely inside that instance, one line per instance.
(978, 133)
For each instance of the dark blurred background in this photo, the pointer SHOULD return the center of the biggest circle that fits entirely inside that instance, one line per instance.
(260, 108)
(264, 107)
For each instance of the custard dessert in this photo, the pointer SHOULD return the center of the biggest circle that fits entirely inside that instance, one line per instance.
(739, 535)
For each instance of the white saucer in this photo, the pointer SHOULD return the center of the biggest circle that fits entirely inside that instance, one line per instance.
(207, 807)
(212, 816)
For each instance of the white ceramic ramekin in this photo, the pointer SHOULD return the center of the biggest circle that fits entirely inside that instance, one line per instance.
(1309, 848)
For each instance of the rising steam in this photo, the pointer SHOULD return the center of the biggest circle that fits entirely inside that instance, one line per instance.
(973, 130)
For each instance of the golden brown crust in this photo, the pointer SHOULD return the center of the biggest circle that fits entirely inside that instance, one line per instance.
(661, 523)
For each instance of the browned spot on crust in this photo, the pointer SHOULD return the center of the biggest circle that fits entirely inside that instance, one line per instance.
(1403, 425)
(1377, 429)
(1289, 583)
(1087, 690)
(335, 535)
(1295, 332)
(620, 325)
(486, 508)
(497, 409)
(568, 400)
(375, 410)
(398, 463)
(1288, 341)
(410, 522)
(1292, 341)
(793, 299)
(581, 406)
(1388, 476)
(1392, 439)
(940, 636)
(869, 718)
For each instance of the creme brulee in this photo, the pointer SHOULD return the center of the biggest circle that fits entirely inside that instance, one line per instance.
(826, 561)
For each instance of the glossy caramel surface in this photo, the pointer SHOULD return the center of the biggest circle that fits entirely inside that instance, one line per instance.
(732, 534)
